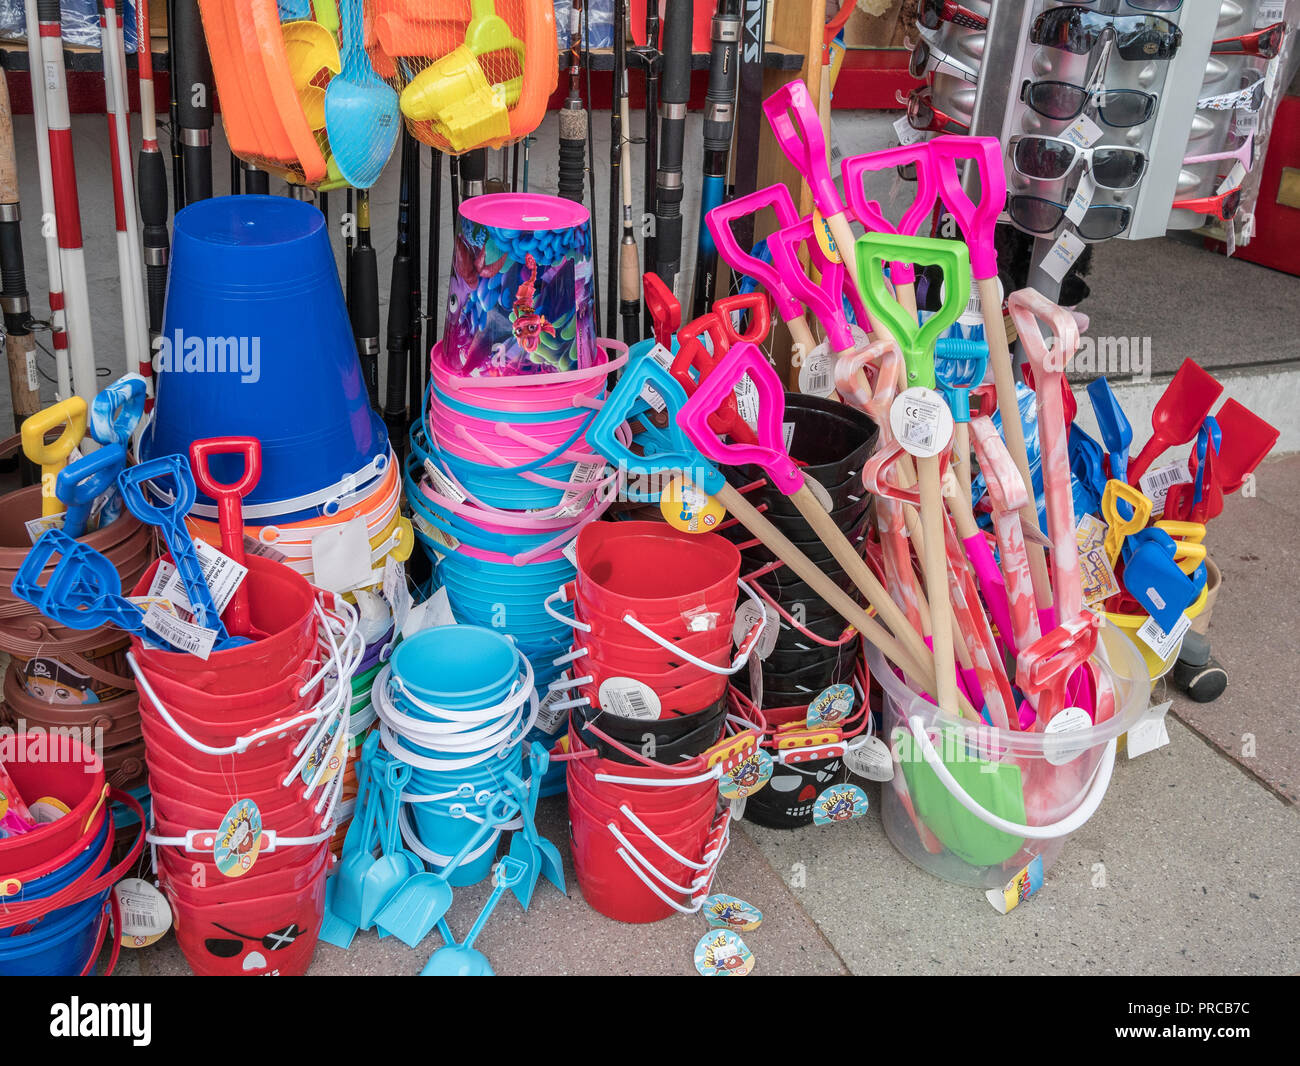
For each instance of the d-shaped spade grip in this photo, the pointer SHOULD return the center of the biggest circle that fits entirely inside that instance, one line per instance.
(230, 506)
(959, 366)
(84, 590)
(822, 300)
(52, 457)
(752, 303)
(665, 311)
(976, 219)
(870, 213)
(170, 520)
(916, 342)
(694, 362)
(742, 260)
(798, 130)
(676, 453)
(116, 411)
(80, 484)
(744, 359)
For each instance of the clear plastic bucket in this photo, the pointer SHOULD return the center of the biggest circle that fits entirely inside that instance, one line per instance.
(973, 804)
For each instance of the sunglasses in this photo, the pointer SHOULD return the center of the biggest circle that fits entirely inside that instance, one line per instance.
(1062, 100)
(1051, 159)
(934, 12)
(923, 115)
(1076, 30)
(925, 57)
(1222, 205)
(274, 941)
(1148, 5)
(1249, 98)
(1244, 153)
(1100, 222)
(1265, 43)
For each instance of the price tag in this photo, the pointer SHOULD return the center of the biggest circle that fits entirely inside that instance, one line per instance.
(629, 698)
(146, 915)
(830, 707)
(442, 484)
(664, 358)
(253, 546)
(1083, 132)
(870, 759)
(1244, 122)
(1082, 198)
(1090, 532)
(440, 537)
(221, 573)
(1151, 731)
(1065, 736)
(747, 401)
(435, 611)
(37, 526)
(1019, 888)
(396, 592)
(721, 953)
(689, 508)
(1164, 644)
(340, 556)
(905, 133)
(570, 551)
(1269, 12)
(787, 434)
(729, 912)
(921, 422)
(239, 839)
(1157, 483)
(817, 372)
(747, 615)
(840, 803)
(549, 717)
(1061, 256)
(183, 635)
(1234, 179)
(575, 501)
(1096, 576)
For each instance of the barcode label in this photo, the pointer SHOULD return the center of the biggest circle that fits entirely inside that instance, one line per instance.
(921, 421)
(919, 434)
(1269, 12)
(181, 635)
(787, 434)
(221, 574)
(817, 372)
(1245, 122)
(444, 540)
(253, 546)
(747, 401)
(549, 717)
(442, 484)
(1156, 484)
(629, 698)
(1162, 643)
(664, 358)
(575, 501)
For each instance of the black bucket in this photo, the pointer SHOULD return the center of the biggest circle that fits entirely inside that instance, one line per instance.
(675, 739)
(786, 801)
(831, 440)
(758, 555)
(847, 493)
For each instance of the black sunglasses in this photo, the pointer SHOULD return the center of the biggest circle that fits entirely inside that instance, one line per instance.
(274, 941)
(1099, 223)
(1062, 100)
(1077, 30)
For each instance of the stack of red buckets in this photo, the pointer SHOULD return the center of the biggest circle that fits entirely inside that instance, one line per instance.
(244, 751)
(652, 723)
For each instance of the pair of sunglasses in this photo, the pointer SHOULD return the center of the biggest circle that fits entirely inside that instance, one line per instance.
(934, 12)
(1248, 98)
(1265, 43)
(1244, 154)
(1063, 100)
(926, 57)
(1222, 205)
(1100, 222)
(1079, 31)
(923, 115)
(1051, 159)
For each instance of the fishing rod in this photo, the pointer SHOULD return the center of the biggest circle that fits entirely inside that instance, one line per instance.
(591, 174)
(151, 181)
(257, 182)
(749, 115)
(651, 60)
(415, 346)
(573, 120)
(363, 300)
(629, 259)
(193, 70)
(135, 319)
(173, 112)
(399, 318)
(236, 175)
(719, 124)
(435, 243)
(672, 139)
(44, 24)
(615, 175)
(20, 344)
(349, 239)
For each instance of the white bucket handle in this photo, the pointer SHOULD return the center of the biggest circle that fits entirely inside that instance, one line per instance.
(698, 890)
(1067, 825)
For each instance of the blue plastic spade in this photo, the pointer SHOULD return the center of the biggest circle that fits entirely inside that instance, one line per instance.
(361, 111)
(1154, 579)
(1209, 435)
(465, 960)
(82, 483)
(1116, 431)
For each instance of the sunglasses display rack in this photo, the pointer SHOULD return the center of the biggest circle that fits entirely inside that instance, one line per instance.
(1060, 192)
(1226, 144)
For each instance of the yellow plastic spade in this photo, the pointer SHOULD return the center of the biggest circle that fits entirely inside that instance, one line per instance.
(310, 49)
(455, 93)
(53, 457)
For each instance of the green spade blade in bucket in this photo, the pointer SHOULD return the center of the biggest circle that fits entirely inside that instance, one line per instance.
(996, 787)
(361, 112)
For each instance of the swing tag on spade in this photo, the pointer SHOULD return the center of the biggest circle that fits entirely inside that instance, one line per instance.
(831, 707)
(921, 422)
(840, 803)
(728, 912)
(239, 839)
(870, 758)
(746, 767)
(689, 508)
(721, 953)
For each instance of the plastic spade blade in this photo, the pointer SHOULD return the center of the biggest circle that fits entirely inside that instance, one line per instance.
(1178, 414)
(1116, 431)
(80, 484)
(1247, 439)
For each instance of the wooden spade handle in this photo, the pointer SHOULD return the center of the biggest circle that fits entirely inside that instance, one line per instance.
(995, 334)
(936, 581)
(920, 669)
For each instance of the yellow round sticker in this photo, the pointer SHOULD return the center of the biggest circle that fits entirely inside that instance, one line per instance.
(829, 249)
(689, 508)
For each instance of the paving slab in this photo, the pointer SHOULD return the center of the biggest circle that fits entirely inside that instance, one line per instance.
(1189, 867)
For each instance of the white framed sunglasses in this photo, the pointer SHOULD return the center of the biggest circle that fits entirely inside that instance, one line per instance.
(1051, 159)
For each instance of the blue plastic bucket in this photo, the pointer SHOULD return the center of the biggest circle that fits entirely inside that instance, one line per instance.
(506, 489)
(457, 667)
(40, 887)
(58, 946)
(444, 835)
(259, 271)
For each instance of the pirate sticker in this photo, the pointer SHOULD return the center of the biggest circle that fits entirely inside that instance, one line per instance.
(839, 803)
(831, 707)
(728, 912)
(51, 681)
(746, 776)
(721, 953)
(239, 839)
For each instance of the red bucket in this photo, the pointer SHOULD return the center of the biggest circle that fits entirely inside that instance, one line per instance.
(655, 806)
(653, 571)
(605, 627)
(232, 776)
(280, 603)
(169, 790)
(297, 826)
(713, 646)
(263, 936)
(704, 692)
(61, 767)
(272, 751)
(226, 715)
(177, 878)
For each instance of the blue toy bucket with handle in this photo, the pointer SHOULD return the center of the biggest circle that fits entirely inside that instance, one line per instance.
(257, 342)
(457, 667)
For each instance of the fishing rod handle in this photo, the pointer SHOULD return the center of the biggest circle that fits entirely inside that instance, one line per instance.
(720, 99)
(573, 153)
(365, 317)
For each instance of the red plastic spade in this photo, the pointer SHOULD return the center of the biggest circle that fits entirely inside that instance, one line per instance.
(1178, 414)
